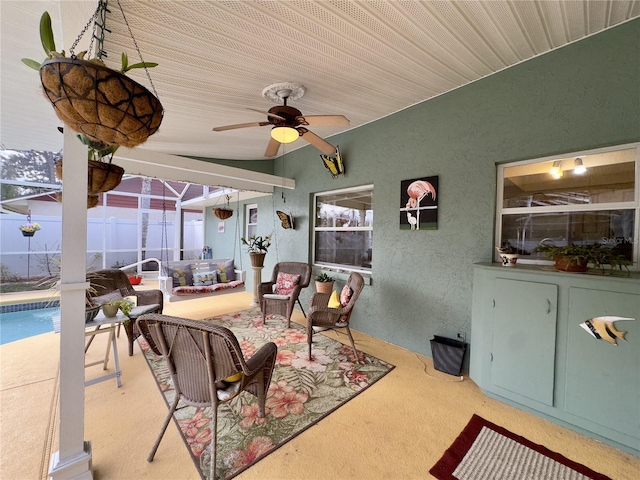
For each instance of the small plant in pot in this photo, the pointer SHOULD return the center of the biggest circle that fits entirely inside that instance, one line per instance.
(110, 308)
(257, 246)
(324, 283)
(576, 258)
(29, 229)
(508, 255)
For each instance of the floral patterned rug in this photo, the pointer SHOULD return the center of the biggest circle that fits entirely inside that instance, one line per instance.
(301, 393)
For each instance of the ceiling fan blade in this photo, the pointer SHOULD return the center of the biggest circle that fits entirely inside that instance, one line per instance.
(240, 125)
(272, 148)
(320, 143)
(323, 120)
(268, 114)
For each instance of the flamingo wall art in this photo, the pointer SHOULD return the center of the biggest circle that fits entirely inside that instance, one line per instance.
(419, 204)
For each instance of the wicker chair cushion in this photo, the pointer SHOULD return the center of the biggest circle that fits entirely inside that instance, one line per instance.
(275, 296)
(107, 297)
(285, 283)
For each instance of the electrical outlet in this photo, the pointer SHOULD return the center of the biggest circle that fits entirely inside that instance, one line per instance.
(462, 336)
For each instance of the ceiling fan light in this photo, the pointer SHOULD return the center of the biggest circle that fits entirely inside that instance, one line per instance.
(284, 134)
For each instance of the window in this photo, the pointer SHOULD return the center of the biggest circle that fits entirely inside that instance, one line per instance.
(343, 228)
(251, 219)
(590, 197)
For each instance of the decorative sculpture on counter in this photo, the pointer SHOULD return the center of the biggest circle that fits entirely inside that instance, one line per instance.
(603, 328)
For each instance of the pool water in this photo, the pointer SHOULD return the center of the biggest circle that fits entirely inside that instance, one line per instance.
(27, 323)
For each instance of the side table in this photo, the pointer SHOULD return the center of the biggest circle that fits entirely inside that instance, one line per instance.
(108, 325)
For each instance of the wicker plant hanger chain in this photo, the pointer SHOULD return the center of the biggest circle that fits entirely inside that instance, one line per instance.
(101, 11)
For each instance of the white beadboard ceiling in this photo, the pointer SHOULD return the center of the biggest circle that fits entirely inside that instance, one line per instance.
(361, 59)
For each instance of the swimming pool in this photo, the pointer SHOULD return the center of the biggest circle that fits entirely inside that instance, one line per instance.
(17, 325)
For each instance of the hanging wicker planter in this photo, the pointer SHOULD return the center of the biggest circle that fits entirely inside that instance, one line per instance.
(101, 176)
(92, 200)
(99, 102)
(223, 213)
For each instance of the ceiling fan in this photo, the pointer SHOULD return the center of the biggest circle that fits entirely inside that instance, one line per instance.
(287, 123)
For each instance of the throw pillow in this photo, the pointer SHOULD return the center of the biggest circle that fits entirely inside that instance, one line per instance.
(107, 297)
(181, 274)
(345, 295)
(205, 278)
(285, 283)
(226, 267)
(222, 276)
(334, 301)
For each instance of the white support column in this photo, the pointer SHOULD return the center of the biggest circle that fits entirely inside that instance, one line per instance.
(177, 231)
(73, 460)
(139, 233)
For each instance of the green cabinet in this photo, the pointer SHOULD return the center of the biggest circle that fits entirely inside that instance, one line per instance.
(528, 349)
(524, 335)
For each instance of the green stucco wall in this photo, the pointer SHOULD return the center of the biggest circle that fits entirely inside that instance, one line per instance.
(582, 96)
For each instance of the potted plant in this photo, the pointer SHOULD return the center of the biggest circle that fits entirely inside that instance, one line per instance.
(110, 308)
(94, 100)
(324, 283)
(257, 246)
(508, 255)
(224, 212)
(102, 175)
(29, 229)
(576, 258)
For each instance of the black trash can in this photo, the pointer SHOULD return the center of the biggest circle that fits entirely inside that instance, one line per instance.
(448, 354)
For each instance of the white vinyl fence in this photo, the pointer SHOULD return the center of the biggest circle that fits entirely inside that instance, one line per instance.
(111, 242)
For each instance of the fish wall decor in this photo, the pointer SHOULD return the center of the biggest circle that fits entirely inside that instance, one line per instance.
(603, 328)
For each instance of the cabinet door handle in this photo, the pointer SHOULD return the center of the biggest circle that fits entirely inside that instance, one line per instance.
(548, 306)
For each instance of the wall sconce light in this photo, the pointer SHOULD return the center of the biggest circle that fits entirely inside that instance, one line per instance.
(556, 169)
(579, 168)
(285, 134)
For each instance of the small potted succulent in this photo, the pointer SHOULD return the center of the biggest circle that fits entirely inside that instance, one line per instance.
(324, 283)
(29, 229)
(257, 246)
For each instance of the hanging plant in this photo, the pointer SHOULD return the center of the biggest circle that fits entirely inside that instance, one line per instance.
(102, 175)
(223, 212)
(29, 229)
(94, 100)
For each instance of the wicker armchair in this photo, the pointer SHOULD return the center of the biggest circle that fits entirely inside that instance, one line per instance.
(320, 315)
(107, 281)
(200, 356)
(272, 304)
